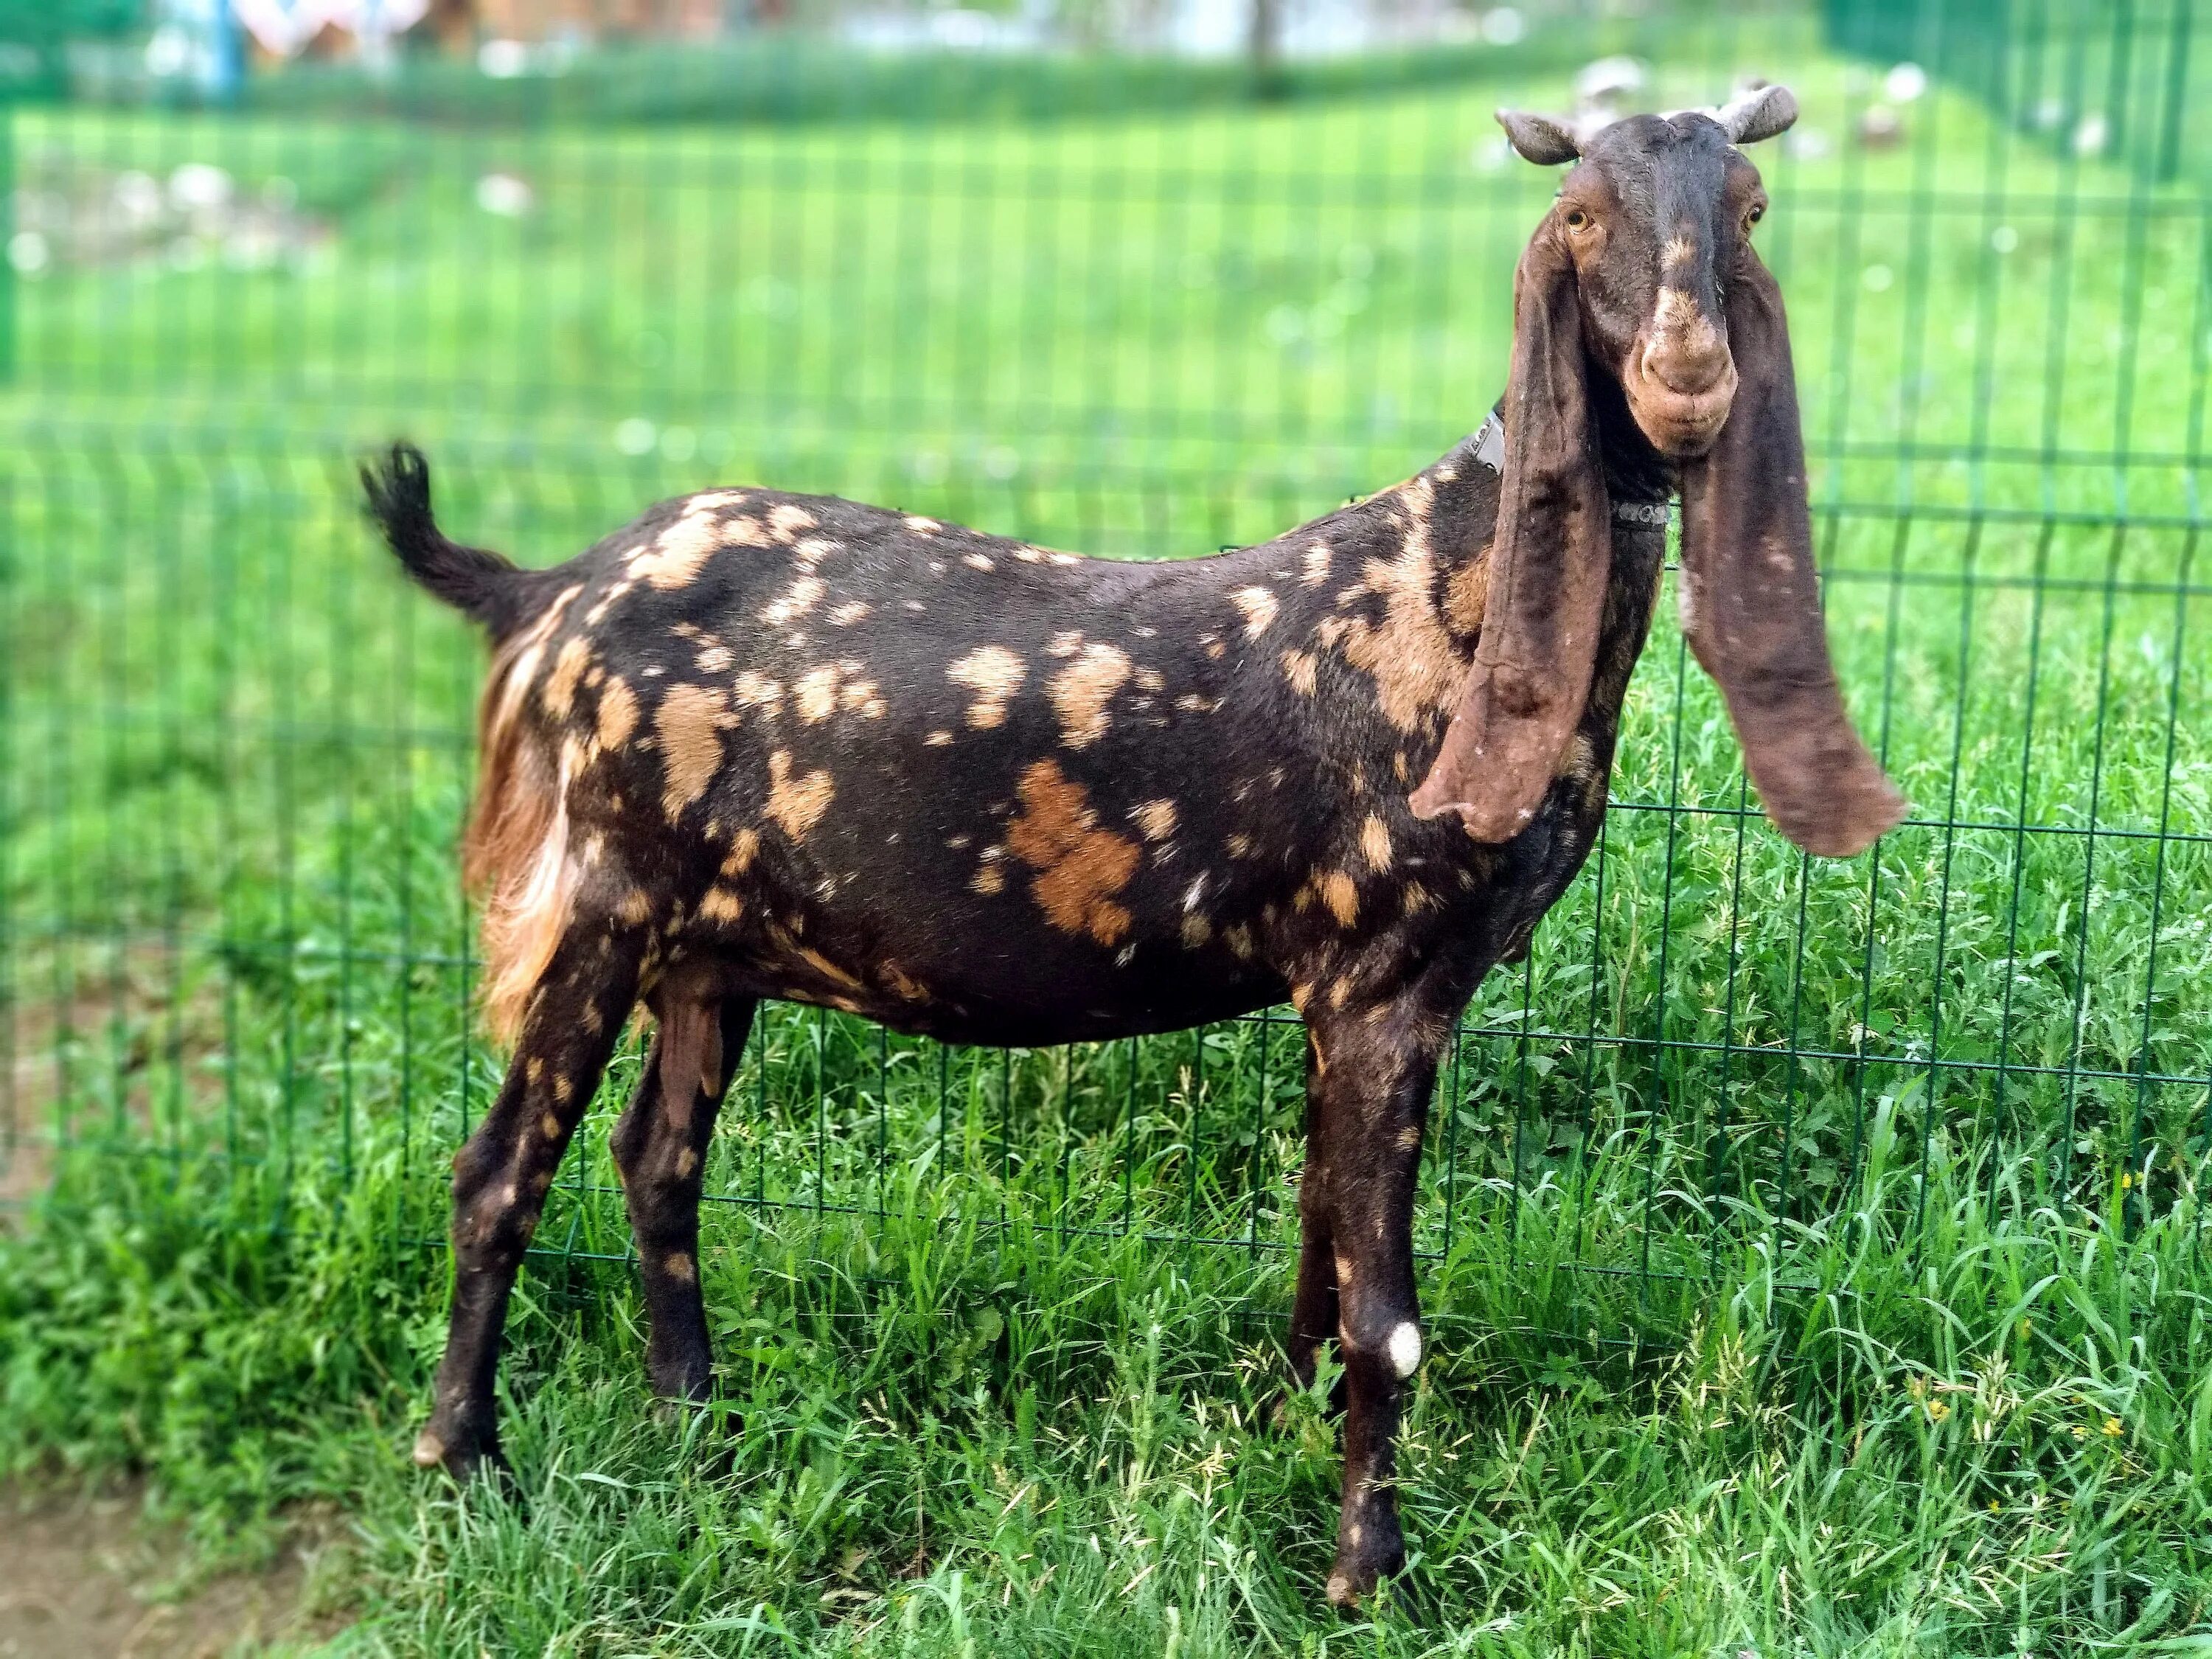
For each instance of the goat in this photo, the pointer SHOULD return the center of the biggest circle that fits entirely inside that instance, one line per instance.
(759, 745)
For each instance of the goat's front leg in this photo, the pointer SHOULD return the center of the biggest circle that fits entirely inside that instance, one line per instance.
(1314, 1306)
(660, 1149)
(1373, 1079)
(501, 1175)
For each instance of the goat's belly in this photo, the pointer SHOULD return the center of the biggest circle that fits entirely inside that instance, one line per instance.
(1017, 989)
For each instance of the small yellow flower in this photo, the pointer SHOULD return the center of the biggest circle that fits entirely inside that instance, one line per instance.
(1993, 1506)
(1937, 1411)
(2079, 1432)
(2127, 1181)
(2112, 1427)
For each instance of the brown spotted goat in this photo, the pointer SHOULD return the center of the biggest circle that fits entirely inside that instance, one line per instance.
(759, 745)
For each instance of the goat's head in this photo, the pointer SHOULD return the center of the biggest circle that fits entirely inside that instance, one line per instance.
(1644, 273)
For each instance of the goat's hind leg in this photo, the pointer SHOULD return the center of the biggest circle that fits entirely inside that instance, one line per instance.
(660, 1149)
(501, 1175)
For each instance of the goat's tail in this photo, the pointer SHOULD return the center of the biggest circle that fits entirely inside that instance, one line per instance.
(481, 585)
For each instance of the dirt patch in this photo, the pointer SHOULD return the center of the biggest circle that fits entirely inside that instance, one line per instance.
(134, 1018)
(84, 1578)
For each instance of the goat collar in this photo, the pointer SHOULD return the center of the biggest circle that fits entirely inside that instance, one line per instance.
(1490, 450)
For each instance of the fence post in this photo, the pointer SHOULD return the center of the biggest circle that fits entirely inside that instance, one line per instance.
(7, 237)
(2168, 165)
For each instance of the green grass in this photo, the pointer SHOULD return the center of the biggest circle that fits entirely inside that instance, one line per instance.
(1787, 1222)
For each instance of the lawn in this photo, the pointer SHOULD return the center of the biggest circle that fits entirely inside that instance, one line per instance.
(1815, 1259)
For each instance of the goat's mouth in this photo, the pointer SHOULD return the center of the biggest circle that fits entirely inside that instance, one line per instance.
(1680, 407)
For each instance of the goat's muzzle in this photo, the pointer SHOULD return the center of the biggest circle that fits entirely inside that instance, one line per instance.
(1680, 379)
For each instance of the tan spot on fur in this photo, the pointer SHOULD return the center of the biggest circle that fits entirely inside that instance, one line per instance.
(787, 519)
(1466, 593)
(1374, 843)
(690, 723)
(1313, 569)
(937, 739)
(852, 610)
(635, 907)
(861, 697)
(1410, 1138)
(1191, 703)
(989, 879)
(923, 527)
(828, 970)
(1681, 251)
(687, 1160)
(904, 985)
(618, 713)
(977, 561)
(713, 659)
(1155, 820)
(723, 906)
(549, 1126)
(559, 694)
(677, 555)
(745, 845)
(1064, 643)
(754, 689)
(679, 1268)
(1300, 669)
(1341, 894)
(1406, 653)
(1239, 845)
(1259, 607)
(1196, 930)
(1082, 691)
(1301, 995)
(801, 597)
(1079, 866)
(994, 674)
(1415, 898)
(1239, 938)
(534, 1070)
(797, 804)
(815, 692)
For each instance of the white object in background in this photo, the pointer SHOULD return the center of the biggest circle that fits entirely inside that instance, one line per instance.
(282, 27)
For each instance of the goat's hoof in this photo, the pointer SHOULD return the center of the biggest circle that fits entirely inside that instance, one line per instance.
(1362, 1562)
(462, 1456)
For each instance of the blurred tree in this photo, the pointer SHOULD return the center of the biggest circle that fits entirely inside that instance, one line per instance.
(36, 31)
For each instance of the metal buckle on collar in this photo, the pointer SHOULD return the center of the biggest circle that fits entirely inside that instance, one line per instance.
(1490, 450)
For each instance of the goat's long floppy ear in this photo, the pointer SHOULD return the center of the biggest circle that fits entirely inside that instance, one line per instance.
(1549, 564)
(1751, 600)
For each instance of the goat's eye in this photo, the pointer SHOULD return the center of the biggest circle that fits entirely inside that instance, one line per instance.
(1577, 220)
(1753, 216)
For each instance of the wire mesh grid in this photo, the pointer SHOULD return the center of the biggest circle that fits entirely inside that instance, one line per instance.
(234, 960)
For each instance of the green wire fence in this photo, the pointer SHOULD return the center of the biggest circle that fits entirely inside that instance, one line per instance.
(1149, 314)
